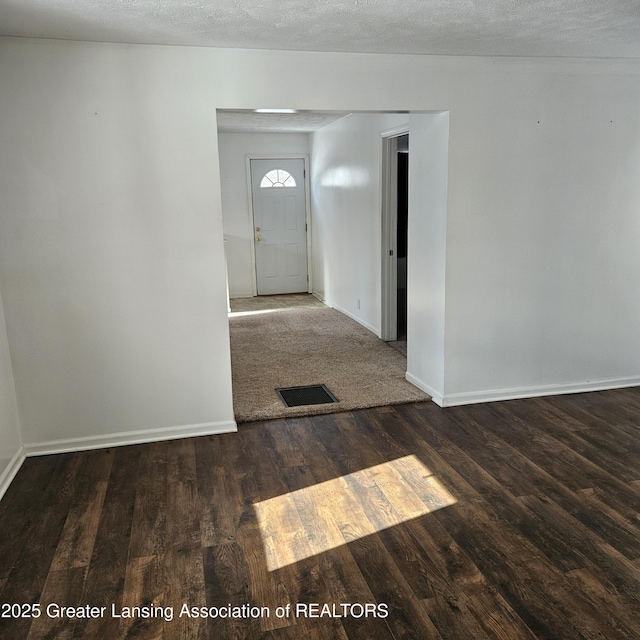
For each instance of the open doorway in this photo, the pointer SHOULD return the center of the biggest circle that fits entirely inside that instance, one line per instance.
(402, 237)
(344, 182)
(395, 217)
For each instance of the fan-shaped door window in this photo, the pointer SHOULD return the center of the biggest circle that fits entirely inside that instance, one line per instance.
(277, 178)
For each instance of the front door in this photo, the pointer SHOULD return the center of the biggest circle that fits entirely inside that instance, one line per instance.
(280, 229)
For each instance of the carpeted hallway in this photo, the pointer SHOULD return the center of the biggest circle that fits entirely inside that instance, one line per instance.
(295, 340)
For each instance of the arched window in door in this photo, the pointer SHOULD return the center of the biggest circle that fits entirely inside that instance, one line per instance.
(277, 178)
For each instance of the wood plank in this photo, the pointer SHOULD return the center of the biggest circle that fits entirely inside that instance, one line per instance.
(144, 586)
(531, 585)
(540, 483)
(183, 557)
(216, 522)
(322, 509)
(407, 617)
(338, 434)
(380, 512)
(267, 462)
(619, 407)
(304, 583)
(453, 619)
(286, 450)
(64, 588)
(412, 547)
(569, 469)
(346, 584)
(497, 618)
(22, 505)
(620, 533)
(307, 585)
(342, 576)
(616, 571)
(620, 614)
(317, 503)
(81, 526)
(226, 577)
(264, 588)
(220, 515)
(104, 584)
(282, 532)
(315, 456)
(148, 529)
(528, 582)
(32, 564)
(586, 409)
(595, 442)
(456, 574)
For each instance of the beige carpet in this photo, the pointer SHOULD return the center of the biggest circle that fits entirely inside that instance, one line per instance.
(305, 346)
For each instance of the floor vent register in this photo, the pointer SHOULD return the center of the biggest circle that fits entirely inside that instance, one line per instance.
(311, 394)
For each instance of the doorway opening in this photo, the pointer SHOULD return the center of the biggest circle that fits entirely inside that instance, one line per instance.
(395, 217)
(340, 196)
(402, 237)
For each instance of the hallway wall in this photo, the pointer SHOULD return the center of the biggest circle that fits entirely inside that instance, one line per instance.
(346, 171)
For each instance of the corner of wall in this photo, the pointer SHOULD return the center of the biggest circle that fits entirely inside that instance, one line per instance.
(11, 450)
(436, 396)
(10, 470)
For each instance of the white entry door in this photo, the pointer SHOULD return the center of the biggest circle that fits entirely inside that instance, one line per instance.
(280, 229)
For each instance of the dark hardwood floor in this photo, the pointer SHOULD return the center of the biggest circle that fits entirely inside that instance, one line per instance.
(513, 520)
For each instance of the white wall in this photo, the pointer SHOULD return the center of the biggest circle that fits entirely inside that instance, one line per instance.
(111, 245)
(233, 149)
(427, 244)
(111, 261)
(542, 287)
(10, 439)
(346, 222)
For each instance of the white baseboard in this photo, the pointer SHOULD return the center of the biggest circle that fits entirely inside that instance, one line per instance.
(10, 472)
(416, 382)
(366, 325)
(128, 437)
(495, 395)
(232, 296)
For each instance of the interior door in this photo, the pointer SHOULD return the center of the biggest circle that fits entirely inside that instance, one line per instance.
(280, 229)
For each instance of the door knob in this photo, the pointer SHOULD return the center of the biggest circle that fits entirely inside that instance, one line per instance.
(258, 238)
(257, 228)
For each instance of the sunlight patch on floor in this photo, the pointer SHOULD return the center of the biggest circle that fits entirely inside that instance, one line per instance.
(256, 312)
(324, 516)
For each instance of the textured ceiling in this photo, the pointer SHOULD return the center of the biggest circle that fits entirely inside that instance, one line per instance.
(236, 121)
(584, 28)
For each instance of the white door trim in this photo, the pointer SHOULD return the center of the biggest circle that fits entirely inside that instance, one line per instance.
(389, 248)
(307, 213)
